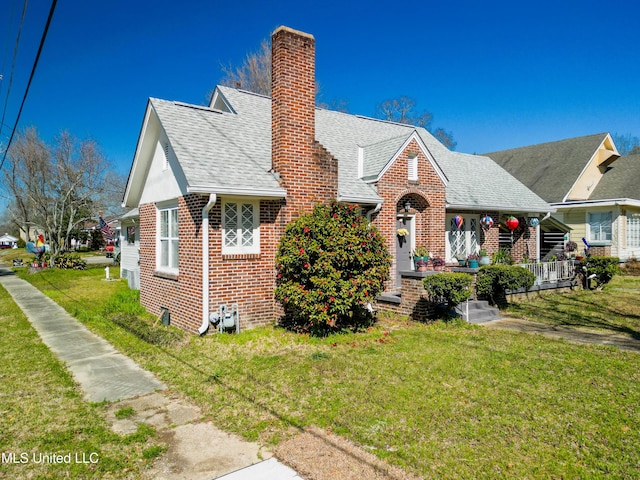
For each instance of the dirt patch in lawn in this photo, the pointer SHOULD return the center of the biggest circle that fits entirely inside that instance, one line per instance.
(318, 455)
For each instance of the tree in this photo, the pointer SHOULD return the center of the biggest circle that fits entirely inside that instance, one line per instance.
(254, 74)
(627, 144)
(402, 110)
(57, 187)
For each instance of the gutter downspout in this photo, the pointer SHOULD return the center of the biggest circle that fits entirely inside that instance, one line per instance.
(205, 263)
(538, 235)
(375, 210)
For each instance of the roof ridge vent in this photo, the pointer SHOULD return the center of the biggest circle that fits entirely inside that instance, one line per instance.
(197, 107)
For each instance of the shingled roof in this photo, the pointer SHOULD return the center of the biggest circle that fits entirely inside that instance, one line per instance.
(228, 148)
(550, 169)
(620, 180)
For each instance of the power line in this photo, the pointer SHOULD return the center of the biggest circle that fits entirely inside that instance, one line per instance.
(13, 63)
(33, 71)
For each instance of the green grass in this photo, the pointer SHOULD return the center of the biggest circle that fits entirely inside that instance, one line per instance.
(42, 412)
(446, 400)
(615, 309)
(126, 412)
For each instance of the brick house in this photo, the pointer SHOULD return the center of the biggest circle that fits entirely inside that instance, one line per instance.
(216, 185)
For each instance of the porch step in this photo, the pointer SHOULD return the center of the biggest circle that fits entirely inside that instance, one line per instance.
(479, 311)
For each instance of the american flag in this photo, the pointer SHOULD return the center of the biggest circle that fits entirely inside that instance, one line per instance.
(107, 233)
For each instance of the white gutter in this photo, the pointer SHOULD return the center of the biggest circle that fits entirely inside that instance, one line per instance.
(485, 208)
(375, 210)
(247, 192)
(598, 203)
(205, 263)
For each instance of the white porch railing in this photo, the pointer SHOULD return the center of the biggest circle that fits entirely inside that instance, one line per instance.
(550, 272)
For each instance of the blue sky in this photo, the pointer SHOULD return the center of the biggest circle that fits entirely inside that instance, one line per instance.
(495, 74)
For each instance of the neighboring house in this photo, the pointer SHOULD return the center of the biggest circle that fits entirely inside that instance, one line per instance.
(8, 241)
(216, 185)
(129, 247)
(594, 190)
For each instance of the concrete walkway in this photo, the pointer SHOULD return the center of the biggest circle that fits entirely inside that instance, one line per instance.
(569, 333)
(197, 450)
(102, 372)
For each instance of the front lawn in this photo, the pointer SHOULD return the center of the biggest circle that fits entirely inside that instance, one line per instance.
(441, 400)
(47, 430)
(615, 309)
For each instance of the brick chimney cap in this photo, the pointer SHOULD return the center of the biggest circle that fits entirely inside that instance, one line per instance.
(283, 28)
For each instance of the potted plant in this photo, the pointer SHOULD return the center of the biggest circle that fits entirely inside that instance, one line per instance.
(484, 258)
(462, 260)
(421, 253)
(571, 248)
(402, 234)
(472, 260)
(421, 265)
(438, 264)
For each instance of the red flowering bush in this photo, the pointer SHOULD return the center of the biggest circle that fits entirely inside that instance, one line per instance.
(330, 265)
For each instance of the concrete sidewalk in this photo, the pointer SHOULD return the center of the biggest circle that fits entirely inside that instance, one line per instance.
(196, 450)
(102, 372)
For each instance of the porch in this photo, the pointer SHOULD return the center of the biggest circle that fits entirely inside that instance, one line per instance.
(411, 299)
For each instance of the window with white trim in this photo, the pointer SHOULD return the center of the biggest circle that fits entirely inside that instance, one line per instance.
(633, 231)
(412, 166)
(600, 227)
(240, 227)
(462, 241)
(168, 239)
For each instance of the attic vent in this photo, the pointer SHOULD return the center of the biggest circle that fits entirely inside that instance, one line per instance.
(412, 166)
(165, 148)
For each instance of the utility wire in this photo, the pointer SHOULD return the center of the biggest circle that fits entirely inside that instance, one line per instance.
(13, 63)
(33, 71)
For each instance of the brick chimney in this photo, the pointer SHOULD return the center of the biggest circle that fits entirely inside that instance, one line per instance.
(307, 171)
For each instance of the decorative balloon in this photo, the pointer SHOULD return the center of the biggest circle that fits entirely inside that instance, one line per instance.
(534, 221)
(486, 221)
(512, 223)
(458, 221)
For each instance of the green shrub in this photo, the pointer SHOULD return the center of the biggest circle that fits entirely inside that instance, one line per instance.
(604, 268)
(450, 288)
(495, 280)
(330, 265)
(502, 257)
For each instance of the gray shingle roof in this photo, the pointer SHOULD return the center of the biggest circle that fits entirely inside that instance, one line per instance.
(219, 149)
(222, 149)
(550, 169)
(621, 180)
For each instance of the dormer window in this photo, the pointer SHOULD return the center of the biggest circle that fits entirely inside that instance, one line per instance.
(412, 167)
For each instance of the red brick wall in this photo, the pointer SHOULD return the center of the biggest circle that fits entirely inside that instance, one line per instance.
(180, 294)
(524, 239)
(427, 198)
(248, 280)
